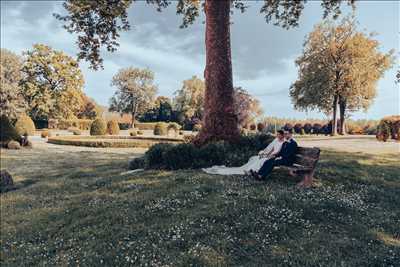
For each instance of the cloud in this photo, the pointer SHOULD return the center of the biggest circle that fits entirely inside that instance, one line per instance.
(262, 54)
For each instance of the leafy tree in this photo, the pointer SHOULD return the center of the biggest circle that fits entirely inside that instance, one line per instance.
(90, 109)
(135, 91)
(339, 66)
(398, 76)
(52, 83)
(189, 100)
(98, 23)
(247, 107)
(11, 101)
(161, 111)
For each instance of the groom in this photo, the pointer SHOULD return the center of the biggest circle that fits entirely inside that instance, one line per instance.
(285, 157)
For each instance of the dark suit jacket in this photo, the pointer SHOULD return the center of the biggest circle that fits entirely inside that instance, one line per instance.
(288, 152)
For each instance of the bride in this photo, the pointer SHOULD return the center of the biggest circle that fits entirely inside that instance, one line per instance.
(254, 162)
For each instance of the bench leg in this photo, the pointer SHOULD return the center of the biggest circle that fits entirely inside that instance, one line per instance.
(307, 180)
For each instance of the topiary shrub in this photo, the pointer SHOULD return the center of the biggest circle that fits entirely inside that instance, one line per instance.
(25, 126)
(98, 127)
(196, 127)
(112, 127)
(13, 145)
(155, 155)
(137, 163)
(182, 156)
(297, 128)
(317, 128)
(302, 132)
(260, 126)
(133, 132)
(288, 127)
(174, 126)
(307, 128)
(160, 129)
(7, 132)
(45, 134)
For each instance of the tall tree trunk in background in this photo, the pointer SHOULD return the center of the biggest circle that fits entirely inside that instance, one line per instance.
(220, 121)
(342, 111)
(334, 119)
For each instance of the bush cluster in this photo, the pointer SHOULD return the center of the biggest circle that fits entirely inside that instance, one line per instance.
(389, 127)
(188, 156)
(98, 127)
(8, 131)
(82, 124)
(160, 129)
(25, 126)
(112, 127)
(45, 134)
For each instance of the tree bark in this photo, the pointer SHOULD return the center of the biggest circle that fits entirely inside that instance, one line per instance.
(342, 111)
(334, 118)
(220, 121)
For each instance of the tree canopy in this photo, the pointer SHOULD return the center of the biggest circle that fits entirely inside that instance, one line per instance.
(99, 23)
(190, 98)
(339, 65)
(52, 83)
(11, 101)
(135, 91)
(247, 107)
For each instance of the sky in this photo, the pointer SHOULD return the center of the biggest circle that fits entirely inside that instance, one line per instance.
(263, 55)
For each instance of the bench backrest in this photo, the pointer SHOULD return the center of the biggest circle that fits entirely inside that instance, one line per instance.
(307, 156)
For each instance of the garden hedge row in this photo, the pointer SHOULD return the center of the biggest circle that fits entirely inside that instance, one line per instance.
(110, 141)
(188, 156)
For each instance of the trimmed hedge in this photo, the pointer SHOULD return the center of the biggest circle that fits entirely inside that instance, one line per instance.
(389, 127)
(98, 127)
(8, 131)
(82, 124)
(25, 126)
(112, 127)
(111, 141)
(160, 129)
(188, 156)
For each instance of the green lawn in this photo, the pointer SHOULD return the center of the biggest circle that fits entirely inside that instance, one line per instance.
(76, 209)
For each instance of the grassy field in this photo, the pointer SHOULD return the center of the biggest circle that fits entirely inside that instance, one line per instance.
(77, 209)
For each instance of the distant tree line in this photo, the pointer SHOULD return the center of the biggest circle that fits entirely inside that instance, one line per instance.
(44, 84)
(136, 95)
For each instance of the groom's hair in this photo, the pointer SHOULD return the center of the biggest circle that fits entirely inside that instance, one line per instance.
(280, 132)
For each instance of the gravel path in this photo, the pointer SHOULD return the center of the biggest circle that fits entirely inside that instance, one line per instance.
(353, 143)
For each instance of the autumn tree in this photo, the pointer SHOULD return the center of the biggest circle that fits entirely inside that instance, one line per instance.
(247, 107)
(160, 111)
(99, 23)
(90, 109)
(189, 100)
(339, 67)
(52, 83)
(11, 100)
(135, 91)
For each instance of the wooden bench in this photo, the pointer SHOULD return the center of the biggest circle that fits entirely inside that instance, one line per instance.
(304, 165)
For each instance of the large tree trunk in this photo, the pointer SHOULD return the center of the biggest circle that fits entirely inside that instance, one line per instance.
(334, 117)
(342, 111)
(220, 121)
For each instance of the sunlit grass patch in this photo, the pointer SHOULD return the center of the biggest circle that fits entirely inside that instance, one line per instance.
(77, 209)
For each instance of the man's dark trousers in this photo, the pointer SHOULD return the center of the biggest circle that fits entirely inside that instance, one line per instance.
(269, 165)
(286, 157)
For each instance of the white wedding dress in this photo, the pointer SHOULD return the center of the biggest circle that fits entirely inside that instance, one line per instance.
(254, 162)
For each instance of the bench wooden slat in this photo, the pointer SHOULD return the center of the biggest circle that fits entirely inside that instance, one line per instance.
(305, 161)
(312, 152)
